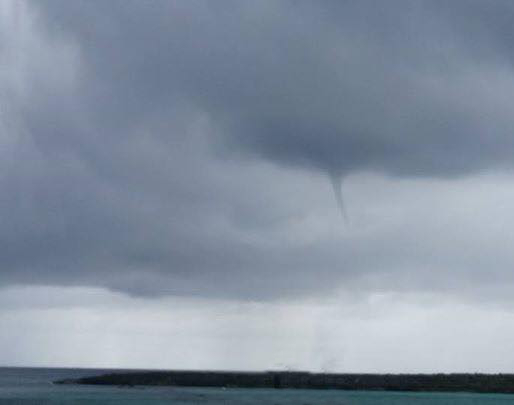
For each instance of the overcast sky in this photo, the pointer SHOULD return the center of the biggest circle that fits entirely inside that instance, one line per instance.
(169, 175)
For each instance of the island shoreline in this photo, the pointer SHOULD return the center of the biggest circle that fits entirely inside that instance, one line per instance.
(472, 383)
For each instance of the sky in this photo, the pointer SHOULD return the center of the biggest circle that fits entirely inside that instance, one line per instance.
(170, 174)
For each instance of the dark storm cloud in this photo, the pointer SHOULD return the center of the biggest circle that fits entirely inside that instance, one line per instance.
(140, 133)
(400, 87)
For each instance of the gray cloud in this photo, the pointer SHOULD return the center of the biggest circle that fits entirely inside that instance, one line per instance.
(403, 88)
(154, 148)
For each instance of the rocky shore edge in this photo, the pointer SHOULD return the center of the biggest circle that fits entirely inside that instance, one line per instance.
(478, 383)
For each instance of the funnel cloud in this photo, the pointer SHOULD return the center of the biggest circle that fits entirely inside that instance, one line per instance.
(337, 186)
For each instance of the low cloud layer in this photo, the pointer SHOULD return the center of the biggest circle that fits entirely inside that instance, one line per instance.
(186, 148)
(384, 333)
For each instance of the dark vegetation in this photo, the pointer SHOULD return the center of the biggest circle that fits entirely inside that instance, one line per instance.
(497, 383)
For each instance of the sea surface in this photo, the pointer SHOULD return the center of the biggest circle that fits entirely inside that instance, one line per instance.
(34, 386)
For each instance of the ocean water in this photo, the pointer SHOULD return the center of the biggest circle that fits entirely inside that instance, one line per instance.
(34, 386)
